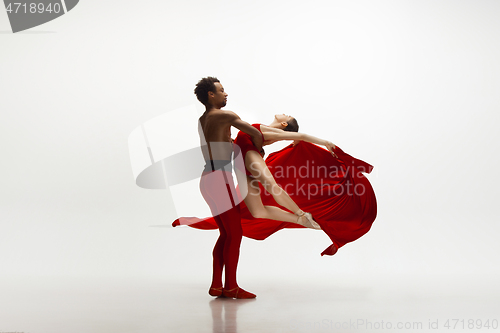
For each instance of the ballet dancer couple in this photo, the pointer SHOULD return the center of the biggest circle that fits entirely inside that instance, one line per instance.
(217, 187)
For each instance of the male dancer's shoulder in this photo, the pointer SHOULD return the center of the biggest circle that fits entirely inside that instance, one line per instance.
(225, 115)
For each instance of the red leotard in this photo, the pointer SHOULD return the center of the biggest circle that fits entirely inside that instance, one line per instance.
(244, 142)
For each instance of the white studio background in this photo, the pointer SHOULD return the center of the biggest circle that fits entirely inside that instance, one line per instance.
(410, 87)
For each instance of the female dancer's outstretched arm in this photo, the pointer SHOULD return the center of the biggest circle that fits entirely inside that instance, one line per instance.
(272, 135)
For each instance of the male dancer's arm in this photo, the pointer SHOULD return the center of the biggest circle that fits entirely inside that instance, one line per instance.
(245, 127)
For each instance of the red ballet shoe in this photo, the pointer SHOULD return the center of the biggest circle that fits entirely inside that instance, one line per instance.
(216, 292)
(237, 293)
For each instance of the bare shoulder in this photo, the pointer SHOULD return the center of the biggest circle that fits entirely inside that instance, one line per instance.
(264, 128)
(223, 115)
(230, 115)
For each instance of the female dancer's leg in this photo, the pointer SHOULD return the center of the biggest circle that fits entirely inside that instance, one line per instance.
(258, 168)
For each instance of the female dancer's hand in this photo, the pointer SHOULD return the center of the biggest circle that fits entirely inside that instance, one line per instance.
(330, 146)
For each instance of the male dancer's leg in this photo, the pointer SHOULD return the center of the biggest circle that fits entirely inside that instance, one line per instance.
(218, 255)
(227, 248)
(226, 251)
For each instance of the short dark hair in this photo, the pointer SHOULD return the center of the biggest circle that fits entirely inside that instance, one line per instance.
(203, 87)
(293, 126)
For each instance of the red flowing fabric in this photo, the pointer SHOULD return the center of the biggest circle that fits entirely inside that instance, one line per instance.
(333, 190)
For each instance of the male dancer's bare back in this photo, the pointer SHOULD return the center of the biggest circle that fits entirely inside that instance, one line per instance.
(217, 186)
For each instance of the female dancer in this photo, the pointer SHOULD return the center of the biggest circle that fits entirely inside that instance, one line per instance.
(283, 127)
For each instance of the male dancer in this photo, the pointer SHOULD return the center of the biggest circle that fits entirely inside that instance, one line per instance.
(216, 183)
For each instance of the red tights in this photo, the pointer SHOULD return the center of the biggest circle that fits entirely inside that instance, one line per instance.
(218, 190)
